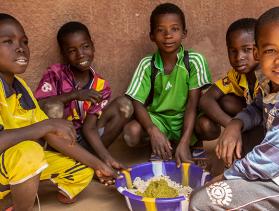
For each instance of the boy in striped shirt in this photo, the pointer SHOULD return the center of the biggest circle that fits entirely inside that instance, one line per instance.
(83, 94)
(171, 114)
(251, 183)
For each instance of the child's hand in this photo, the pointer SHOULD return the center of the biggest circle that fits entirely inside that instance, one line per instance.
(88, 94)
(160, 144)
(182, 154)
(215, 179)
(106, 175)
(61, 127)
(230, 143)
(111, 162)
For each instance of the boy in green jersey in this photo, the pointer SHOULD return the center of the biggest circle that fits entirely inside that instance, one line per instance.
(171, 114)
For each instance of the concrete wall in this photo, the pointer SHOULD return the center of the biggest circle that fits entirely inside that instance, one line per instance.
(120, 31)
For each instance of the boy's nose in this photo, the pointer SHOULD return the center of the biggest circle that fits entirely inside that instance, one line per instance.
(240, 56)
(168, 33)
(19, 50)
(80, 54)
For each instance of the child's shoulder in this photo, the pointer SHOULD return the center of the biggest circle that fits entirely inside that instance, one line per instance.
(196, 56)
(58, 67)
(146, 60)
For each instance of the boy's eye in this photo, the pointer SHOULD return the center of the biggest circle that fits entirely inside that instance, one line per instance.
(160, 30)
(248, 50)
(175, 29)
(269, 51)
(25, 42)
(8, 41)
(232, 51)
(86, 46)
(71, 51)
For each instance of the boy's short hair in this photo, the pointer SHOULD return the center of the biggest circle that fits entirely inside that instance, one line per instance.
(166, 8)
(244, 24)
(271, 15)
(69, 28)
(4, 17)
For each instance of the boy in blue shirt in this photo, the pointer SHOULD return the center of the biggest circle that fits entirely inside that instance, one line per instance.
(251, 183)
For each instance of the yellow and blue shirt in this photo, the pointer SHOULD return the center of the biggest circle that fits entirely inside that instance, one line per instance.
(237, 84)
(18, 107)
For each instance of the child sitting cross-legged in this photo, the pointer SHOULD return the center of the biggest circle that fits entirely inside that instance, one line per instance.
(229, 95)
(82, 95)
(165, 89)
(24, 162)
(252, 182)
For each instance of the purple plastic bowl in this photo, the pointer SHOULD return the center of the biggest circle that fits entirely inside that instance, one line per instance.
(188, 175)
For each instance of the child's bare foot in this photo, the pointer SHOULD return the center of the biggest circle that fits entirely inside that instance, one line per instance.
(65, 199)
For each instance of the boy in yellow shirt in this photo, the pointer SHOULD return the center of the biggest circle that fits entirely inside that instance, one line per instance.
(23, 161)
(237, 89)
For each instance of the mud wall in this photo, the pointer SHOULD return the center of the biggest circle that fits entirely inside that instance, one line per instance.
(120, 31)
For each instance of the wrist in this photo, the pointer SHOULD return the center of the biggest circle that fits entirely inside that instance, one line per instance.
(74, 95)
(45, 126)
(237, 123)
(150, 129)
(105, 156)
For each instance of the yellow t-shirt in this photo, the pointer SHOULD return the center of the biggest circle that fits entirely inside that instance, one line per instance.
(237, 84)
(18, 107)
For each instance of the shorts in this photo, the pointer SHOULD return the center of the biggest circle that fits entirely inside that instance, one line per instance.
(28, 159)
(172, 130)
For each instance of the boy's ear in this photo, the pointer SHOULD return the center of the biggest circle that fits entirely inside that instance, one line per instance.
(184, 35)
(256, 53)
(151, 36)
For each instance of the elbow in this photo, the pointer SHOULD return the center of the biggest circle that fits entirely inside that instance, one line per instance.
(203, 102)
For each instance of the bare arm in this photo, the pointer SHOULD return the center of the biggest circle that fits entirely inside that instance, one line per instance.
(82, 94)
(74, 151)
(11, 137)
(209, 104)
(190, 115)
(142, 116)
(91, 134)
(160, 144)
(182, 153)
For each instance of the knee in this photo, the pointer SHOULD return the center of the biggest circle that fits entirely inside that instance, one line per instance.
(197, 201)
(54, 109)
(29, 151)
(231, 104)
(125, 106)
(131, 133)
(209, 129)
(26, 158)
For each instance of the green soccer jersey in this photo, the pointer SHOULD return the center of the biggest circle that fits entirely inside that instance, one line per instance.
(170, 90)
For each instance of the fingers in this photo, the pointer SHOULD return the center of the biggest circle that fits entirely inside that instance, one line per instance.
(217, 151)
(118, 166)
(178, 161)
(238, 149)
(165, 152)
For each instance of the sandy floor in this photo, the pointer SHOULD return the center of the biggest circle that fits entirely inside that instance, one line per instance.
(100, 197)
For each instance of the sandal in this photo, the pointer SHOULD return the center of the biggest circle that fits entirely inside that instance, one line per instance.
(199, 156)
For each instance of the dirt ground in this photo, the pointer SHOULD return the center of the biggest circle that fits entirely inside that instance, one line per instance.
(100, 197)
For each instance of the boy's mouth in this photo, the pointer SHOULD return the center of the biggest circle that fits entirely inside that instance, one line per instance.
(84, 63)
(169, 44)
(22, 61)
(240, 68)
